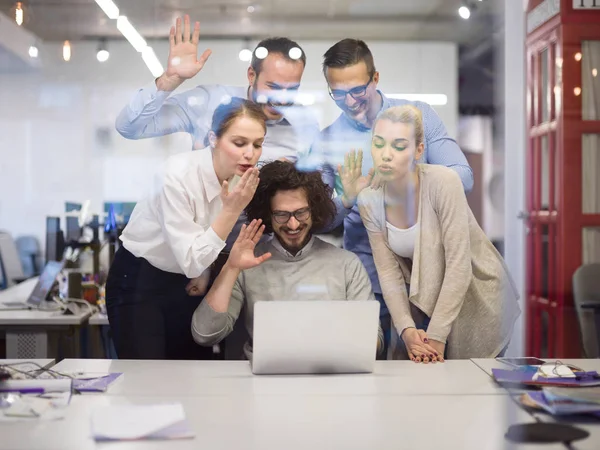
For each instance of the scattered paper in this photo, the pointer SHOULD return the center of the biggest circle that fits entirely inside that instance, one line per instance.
(561, 371)
(133, 422)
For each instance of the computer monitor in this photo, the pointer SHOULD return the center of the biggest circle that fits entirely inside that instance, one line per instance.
(73, 229)
(55, 240)
(45, 283)
(71, 207)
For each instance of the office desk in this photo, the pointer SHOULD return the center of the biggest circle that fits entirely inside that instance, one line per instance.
(488, 364)
(293, 412)
(591, 424)
(98, 319)
(27, 330)
(224, 377)
(45, 363)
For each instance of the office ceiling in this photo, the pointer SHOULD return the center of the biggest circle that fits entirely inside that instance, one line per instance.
(425, 20)
(56, 20)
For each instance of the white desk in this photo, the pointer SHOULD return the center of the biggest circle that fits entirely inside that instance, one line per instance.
(45, 363)
(271, 418)
(488, 364)
(98, 319)
(27, 330)
(224, 377)
(592, 425)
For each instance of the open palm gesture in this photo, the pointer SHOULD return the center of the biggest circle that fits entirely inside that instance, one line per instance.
(352, 178)
(242, 253)
(183, 50)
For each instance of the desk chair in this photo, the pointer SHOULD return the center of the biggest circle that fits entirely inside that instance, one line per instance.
(586, 294)
(11, 261)
(30, 253)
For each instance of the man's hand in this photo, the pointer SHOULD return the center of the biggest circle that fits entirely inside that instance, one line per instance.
(183, 60)
(236, 200)
(197, 286)
(242, 256)
(351, 177)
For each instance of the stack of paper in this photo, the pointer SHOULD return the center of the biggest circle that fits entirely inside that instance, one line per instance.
(133, 422)
(36, 386)
(560, 404)
(586, 395)
(530, 378)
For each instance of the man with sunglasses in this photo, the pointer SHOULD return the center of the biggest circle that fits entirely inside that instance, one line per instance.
(352, 81)
(274, 77)
(292, 265)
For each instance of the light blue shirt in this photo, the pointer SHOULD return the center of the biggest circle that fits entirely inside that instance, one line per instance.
(152, 113)
(344, 135)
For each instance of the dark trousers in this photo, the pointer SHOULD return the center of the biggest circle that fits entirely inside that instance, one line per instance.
(149, 311)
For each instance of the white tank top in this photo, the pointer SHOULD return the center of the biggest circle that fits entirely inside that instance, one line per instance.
(402, 241)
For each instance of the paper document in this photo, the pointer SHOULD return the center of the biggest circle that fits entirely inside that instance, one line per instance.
(36, 385)
(132, 422)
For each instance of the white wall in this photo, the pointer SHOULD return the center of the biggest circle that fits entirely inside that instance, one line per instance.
(57, 137)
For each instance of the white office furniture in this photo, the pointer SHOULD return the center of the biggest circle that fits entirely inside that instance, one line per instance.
(11, 261)
(229, 408)
(27, 331)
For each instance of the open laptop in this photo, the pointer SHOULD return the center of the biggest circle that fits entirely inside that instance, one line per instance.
(310, 337)
(40, 291)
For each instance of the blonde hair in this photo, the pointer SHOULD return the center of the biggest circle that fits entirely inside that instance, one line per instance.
(408, 114)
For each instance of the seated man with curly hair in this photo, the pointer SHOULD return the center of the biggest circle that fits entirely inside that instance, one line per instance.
(292, 265)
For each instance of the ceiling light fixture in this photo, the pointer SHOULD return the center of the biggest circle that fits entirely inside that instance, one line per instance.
(464, 12)
(295, 53)
(19, 13)
(33, 51)
(67, 51)
(261, 52)
(109, 8)
(131, 34)
(245, 53)
(103, 54)
(251, 9)
(152, 62)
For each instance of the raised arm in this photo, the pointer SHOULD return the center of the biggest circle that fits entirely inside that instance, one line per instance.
(151, 113)
(442, 149)
(453, 213)
(194, 245)
(215, 317)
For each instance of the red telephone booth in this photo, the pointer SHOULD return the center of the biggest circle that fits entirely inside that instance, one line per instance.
(562, 166)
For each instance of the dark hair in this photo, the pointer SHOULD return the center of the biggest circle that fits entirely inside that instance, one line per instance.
(283, 176)
(280, 45)
(227, 112)
(348, 52)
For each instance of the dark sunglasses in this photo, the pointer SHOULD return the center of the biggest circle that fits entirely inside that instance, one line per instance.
(356, 93)
(300, 215)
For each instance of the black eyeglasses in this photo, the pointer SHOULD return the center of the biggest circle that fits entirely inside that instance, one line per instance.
(356, 92)
(300, 215)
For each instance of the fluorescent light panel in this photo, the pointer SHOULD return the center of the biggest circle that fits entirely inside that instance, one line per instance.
(131, 34)
(152, 62)
(432, 99)
(109, 8)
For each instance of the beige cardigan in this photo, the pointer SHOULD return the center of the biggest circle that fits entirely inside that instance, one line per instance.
(457, 278)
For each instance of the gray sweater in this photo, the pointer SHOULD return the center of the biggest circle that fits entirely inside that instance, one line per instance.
(320, 271)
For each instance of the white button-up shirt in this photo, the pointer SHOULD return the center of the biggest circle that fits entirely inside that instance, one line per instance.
(171, 228)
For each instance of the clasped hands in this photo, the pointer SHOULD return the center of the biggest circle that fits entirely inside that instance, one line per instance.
(422, 349)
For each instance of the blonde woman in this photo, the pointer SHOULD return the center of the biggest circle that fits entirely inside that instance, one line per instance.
(448, 290)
